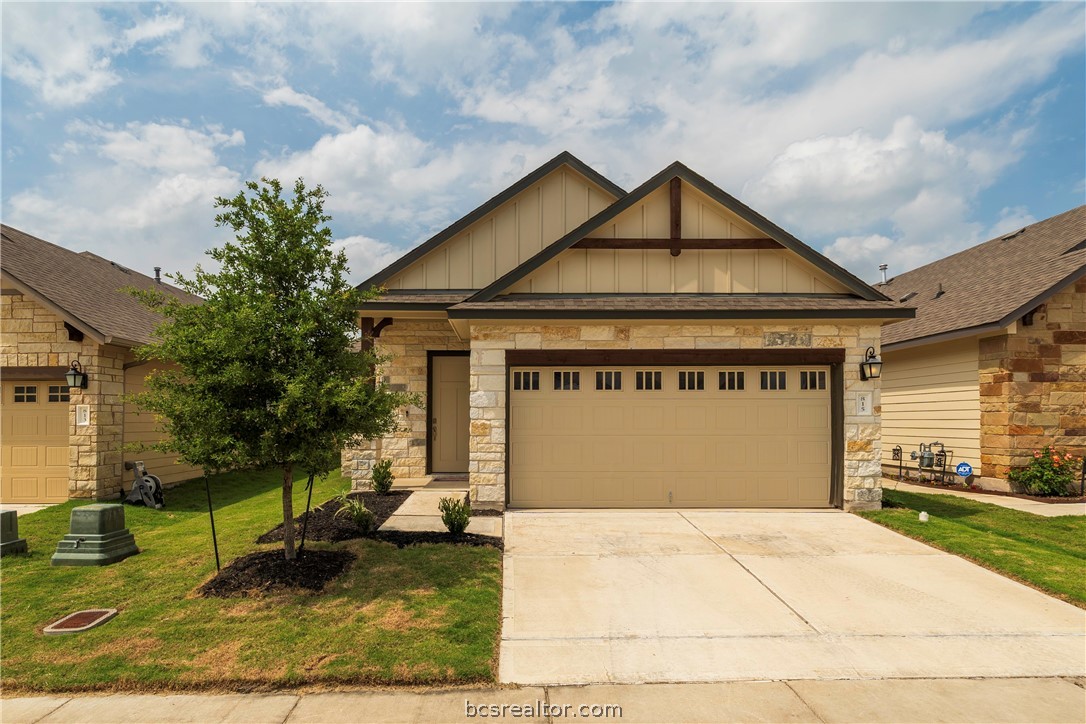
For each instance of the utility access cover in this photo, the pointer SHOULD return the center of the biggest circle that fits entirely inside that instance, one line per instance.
(80, 621)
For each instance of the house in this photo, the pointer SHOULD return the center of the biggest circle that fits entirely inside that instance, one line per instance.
(577, 346)
(60, 307)
(994, 364)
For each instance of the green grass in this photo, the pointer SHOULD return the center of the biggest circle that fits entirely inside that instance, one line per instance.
(1046, 553)
(421, 615)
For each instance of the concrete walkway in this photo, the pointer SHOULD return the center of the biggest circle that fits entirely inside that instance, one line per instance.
(22, 509)
(893, 700)
(1048, 510)
(706, 595)
(420, 512)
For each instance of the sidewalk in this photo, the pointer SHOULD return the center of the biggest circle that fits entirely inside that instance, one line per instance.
(420, 512)
(886, 700)
(1048, 510)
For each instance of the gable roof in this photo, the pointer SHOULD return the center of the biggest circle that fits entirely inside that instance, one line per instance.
(563, 159)
(992, 284)
(83, 289)
(679, 170)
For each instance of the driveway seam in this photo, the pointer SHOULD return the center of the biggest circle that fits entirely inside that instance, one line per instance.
(805, 703)
(751, 573)
(54, 710)
(297, 700)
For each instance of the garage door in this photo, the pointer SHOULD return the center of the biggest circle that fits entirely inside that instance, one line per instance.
(589, 437)
(34, 458)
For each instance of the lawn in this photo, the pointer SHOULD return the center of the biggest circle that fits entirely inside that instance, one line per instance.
(1046, 553)
(419, 615)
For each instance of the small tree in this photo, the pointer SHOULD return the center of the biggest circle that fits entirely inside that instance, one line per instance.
(265, 373)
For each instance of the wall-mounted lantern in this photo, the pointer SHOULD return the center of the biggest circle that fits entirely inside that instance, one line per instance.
(76, 377)
(871, 367)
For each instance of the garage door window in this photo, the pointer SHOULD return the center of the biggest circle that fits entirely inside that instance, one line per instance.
(608, 380)
(527, 380)
(774, 380)
(649, 380)
(812, 380)
(567, 380)
(59, 393)
(26, 393)
(732, 380)
(691, 380)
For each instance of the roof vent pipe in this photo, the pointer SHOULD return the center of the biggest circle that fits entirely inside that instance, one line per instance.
(939, 292)
(158, 274)
(883, 268)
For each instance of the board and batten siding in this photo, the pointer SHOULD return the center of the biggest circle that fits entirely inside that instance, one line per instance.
(140, 427)
(694, 271)
(932, 393)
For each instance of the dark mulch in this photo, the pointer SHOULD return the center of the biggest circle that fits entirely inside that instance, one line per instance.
(487, 513)
(404, 538)
(1056, 499)
(267, 571)
(324, 525)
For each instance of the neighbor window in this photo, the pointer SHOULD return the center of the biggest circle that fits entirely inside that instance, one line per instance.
(691, 380)
(812, 380)
(773, 380)
(26, 393)
(649, 380)
(567, 380)
(526, 380)
(732, 380)
(608, 380)
(58, 393)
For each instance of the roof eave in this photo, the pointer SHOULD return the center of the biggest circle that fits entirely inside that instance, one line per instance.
(747, 314)
(87, 329)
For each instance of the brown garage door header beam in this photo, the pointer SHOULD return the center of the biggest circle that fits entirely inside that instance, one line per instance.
(648, 357)
(34, 373)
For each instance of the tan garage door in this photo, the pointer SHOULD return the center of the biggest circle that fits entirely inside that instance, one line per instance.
(34, 428)
(587, 437)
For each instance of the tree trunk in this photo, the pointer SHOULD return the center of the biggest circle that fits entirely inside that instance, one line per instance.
(288, 513)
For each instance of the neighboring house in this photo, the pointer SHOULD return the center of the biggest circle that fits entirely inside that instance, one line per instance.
(60, 307)
(576, 346)
(994, 364)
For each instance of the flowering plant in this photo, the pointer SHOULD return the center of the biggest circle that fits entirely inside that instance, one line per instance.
(1049, 473)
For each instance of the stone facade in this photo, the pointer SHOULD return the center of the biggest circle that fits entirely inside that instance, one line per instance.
(407, 342)
(1033, 385)
(35, 337)
(404, 345)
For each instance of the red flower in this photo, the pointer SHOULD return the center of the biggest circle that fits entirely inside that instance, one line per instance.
(1036, 454)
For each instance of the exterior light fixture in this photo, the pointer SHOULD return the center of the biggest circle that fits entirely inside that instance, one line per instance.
(76, 377)
(871, 367)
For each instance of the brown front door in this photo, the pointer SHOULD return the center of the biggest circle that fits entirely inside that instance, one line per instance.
(449, 414)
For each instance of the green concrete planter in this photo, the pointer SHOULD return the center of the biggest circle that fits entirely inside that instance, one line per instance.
(97, 537)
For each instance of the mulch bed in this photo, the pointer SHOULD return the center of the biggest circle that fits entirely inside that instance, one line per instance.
(404, 538)
(487, 513)
(324, 525)
(1024, 496)
(268, 571)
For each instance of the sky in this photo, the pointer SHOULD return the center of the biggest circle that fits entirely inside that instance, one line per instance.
(891, 133)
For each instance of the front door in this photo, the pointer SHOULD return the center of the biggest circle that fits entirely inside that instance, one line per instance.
(449, 414)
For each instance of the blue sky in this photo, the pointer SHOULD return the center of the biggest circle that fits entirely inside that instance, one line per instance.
(892, 133)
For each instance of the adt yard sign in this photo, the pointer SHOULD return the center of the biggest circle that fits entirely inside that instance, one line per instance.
(964, 470)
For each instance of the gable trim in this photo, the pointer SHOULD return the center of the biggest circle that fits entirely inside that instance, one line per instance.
(680, 171)
(563, 159)
(64, 314)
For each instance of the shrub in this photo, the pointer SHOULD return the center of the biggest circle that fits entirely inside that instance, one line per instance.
(455, 514)
(356, 510)
(381, 477)
(1049, 473)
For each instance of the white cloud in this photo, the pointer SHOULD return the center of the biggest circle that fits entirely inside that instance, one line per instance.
(314, 108)
(366, 256)
(156, 28)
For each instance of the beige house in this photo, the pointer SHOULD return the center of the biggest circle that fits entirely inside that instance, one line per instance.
(58, 307)
(577, 346)
(994, 364)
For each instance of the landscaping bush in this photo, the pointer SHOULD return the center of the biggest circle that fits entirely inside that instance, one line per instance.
(382, 477)
(356, 510)
(455, 514)
(1049, 473)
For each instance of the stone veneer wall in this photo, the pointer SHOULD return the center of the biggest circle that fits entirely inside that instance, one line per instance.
(35, 337)
(1033, 385)
(488, 387)
(405, 344)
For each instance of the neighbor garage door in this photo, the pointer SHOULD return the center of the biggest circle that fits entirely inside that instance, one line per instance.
(34, 427)
(592, 437)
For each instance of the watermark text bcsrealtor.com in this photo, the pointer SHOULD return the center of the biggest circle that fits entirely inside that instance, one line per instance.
(541, 710)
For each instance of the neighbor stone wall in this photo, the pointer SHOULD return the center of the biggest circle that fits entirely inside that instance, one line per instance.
(862, 485)
(1033, 385)
(33, 336)
(405, 344)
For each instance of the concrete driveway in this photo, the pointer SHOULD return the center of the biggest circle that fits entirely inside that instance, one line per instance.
(670, 596)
